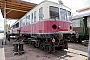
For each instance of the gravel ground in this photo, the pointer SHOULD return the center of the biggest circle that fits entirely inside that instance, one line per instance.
(75, 51)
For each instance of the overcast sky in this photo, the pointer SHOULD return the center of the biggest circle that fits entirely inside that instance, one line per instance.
(73, 4)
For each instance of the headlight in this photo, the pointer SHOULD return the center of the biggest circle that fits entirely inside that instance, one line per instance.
(53, 40)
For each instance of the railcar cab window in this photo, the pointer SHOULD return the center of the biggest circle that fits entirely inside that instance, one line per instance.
(63, 14)
(35, 16)
(40, 14)
(68, 15)
(54, 12)
(28, 20)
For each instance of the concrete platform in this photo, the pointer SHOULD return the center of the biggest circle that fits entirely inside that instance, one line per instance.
(2, 54)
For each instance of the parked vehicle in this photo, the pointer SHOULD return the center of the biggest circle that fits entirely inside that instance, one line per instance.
(80, 25)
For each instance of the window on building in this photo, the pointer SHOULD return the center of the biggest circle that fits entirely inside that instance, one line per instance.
(32, 18)
(68, 15)
(54, 12)
(40, 14)
(28, 20)
(63, 14)
(35, 16)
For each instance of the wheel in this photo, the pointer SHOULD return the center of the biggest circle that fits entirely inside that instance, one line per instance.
(36, 44)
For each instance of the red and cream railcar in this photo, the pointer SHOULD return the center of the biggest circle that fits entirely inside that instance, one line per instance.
(50, 24)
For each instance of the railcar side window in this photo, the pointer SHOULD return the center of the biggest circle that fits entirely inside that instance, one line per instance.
(17, 25)
(54, 12)
(28, 20)
(40, 14)
(63, 14)
(14, 26)
(32, 18)
(69, 15)
(35, 16)
(23, 22)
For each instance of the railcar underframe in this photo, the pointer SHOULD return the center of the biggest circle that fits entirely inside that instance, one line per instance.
(48, 42)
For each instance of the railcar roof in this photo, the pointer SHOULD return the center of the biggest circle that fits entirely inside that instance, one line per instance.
(81, 15)
(49, 2)
(15, 9)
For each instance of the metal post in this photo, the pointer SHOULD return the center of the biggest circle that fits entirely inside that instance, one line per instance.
(4, 22)
(89, 46)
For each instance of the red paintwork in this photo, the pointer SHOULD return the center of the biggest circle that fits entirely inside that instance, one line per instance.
(45, 27)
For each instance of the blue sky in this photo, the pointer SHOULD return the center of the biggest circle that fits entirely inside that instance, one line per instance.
(73, 4)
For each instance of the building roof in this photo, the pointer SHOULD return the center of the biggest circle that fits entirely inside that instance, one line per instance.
(83, 9)
(15, 9)
(81, 15)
